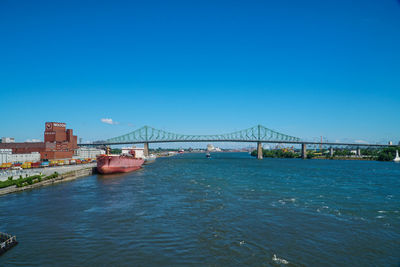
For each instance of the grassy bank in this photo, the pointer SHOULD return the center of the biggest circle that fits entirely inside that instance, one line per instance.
(21, 182)
(36, 181)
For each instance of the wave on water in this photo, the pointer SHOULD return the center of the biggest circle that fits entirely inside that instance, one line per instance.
(279, 260)
(287, 200)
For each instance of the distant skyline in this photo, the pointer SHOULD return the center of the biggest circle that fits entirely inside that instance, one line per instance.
(304, 68)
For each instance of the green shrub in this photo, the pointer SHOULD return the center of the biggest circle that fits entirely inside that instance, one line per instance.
(21, 181)
(6, 183)
(276, 153)
(51, 176)
(387, 154)
(310, 155)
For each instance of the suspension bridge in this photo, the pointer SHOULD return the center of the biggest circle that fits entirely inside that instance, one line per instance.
(258, 134)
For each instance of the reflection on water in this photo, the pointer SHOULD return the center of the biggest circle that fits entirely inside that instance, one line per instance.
(229, 210)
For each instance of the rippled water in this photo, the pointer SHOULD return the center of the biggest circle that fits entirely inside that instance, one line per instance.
(230, 210)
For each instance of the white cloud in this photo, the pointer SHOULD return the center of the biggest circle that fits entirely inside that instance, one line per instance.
(109, 121)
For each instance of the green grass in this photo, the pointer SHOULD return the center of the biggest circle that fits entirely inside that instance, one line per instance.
(21, 182)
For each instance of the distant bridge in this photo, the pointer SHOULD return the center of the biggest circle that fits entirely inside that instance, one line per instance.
(258, 134)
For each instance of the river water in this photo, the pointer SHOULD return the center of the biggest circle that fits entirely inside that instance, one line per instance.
(230, 210)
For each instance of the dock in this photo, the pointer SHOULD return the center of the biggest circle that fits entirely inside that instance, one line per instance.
(6, 242)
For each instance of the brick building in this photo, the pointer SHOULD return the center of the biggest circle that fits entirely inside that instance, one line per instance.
(59, 143)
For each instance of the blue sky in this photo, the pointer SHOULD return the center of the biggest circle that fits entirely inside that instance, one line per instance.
(304, 68)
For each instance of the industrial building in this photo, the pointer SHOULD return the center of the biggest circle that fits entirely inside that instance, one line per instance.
(6, 156)
(59, 143)
(210, 148)
(87, 152)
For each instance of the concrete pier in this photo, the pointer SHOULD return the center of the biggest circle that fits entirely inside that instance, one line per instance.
(358, 152)
(331, 151)
(259, 150)
(146, 149)
(303, 151)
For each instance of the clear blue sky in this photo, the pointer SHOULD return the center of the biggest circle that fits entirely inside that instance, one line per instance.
(305, 68)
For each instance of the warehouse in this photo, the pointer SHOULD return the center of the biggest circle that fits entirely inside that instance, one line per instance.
(6, 156)
(59, 143)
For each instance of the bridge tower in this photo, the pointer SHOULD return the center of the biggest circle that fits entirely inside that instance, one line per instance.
(259, 150)
(303, 151)
(259, 144)
(146, 149)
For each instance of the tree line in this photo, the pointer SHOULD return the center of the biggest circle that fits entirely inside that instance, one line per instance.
(380, 154)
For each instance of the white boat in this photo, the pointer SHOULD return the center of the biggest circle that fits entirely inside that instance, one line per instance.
(149, 159)
(397, 158)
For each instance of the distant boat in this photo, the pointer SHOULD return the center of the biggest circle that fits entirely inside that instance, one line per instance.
(7, 241)
(180, 151)
(149, 159)
(397, 158)
(208, 155)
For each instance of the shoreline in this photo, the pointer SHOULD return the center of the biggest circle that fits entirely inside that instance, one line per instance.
(63, 177)
(346, 158)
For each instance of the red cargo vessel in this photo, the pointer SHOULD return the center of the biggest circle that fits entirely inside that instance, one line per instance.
(118, 163)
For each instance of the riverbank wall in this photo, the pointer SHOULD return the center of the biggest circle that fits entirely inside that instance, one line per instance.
(64, 177)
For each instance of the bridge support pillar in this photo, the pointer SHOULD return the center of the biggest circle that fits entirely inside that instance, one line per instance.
(331, 151)
(146, 149)
(259, 150)
(303, 151)
(358, 152)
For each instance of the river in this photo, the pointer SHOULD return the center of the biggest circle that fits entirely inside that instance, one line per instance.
(229, 210)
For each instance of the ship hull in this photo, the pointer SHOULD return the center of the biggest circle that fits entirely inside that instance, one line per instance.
(118, 164)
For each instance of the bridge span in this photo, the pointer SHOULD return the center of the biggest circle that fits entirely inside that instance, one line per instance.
(257, 134)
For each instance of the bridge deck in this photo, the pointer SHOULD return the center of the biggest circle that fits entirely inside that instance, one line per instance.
(241, 141)
(256, 134)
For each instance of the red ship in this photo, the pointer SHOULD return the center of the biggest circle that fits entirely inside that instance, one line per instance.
(118, 163)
